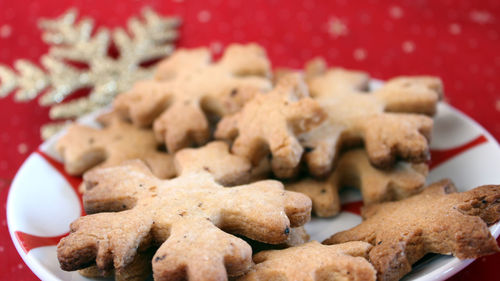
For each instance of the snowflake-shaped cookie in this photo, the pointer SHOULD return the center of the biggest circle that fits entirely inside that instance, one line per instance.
(354, 170)
(215, 158)
(438, 220)
(313, 261)
(269, 123)
(391, 121)
(188, 86)
(83, 147)
(190, 217)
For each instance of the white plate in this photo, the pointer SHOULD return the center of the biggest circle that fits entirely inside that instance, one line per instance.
(42, 202)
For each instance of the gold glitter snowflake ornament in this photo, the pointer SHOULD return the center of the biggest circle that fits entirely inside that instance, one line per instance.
(80, 59)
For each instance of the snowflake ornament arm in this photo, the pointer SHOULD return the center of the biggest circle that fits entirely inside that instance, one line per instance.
(73, 41)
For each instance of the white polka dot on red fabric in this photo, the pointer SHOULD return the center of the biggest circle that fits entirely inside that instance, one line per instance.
(488, 71)
(396, 12)
(5, 31)
(481, 17)
(365, 18)
(408, 46)
(22, 148)
(204, 16)
(5, 137)
(337, 27)
(455, 28)
(359, 54)
(216, 47)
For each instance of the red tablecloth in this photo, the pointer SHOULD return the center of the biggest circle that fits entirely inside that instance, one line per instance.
(456, 40)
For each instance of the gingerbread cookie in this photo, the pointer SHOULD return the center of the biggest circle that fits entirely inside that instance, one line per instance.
(215, 158)
(438, 220)
(188, 85)
(83, 147)
(390, 120)
(270, 122)
(313, 261)
(186, 216)
(354, 170)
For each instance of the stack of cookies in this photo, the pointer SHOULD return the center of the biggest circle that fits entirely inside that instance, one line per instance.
(193, 166)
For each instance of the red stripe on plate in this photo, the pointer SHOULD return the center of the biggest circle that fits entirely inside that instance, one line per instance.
(29, 242)
(353, 207)
(438, 157)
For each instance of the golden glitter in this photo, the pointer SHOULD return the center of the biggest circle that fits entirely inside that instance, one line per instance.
(73, 41)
